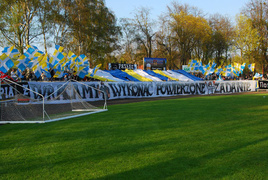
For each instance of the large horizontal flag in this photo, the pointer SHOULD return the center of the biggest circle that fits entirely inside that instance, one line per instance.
(164, 74)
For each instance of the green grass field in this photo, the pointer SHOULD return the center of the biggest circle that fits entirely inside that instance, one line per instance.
(208, 137)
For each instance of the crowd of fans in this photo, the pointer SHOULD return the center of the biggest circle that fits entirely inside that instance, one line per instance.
(214, 76)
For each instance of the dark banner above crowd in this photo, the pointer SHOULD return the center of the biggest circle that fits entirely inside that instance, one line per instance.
(154, 63)
(121, 66)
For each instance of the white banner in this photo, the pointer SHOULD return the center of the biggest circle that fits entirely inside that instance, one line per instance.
(119, 90)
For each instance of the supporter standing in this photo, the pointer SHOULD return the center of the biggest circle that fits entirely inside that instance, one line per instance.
(65, 78)
(75, 77)
(13, 74)
(28, 74)
(43, 77)
(52, 73)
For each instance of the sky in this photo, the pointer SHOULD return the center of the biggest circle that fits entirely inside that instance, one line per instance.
(126, 8)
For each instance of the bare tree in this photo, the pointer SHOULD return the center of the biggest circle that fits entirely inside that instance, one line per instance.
(128, 43)
(222, 37)
(144, 27)
(166, 46)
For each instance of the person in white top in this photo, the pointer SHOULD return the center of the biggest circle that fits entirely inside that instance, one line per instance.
(43, 76)
(13, 74)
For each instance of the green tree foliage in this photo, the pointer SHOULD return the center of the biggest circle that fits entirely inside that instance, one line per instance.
(222, 38)
(23, 21)
(247, 38)
(16, 19)
(90, 28)
(83, 26)
(190, 32)
(257, 12)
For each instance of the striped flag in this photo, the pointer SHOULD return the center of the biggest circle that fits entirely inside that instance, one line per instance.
(44, 62)
(12, 52)
(251, 67)
(70, 58)
(96, 68)
(57, 56)
(22, 62)
(59, 71)
(38, 71)
(82, 73)
(242, 67)
(83, 61)
(32, 52)
(257, 75)
(6, 63)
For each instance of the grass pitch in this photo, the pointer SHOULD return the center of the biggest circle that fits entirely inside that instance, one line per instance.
(209, 137)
